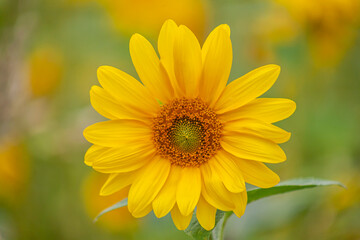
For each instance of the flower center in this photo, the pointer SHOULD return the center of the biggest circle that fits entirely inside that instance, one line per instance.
(187, 132)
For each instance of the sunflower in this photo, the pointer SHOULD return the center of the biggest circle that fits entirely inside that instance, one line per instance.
(184, 139)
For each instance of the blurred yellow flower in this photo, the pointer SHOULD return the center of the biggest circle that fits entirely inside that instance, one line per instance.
(45, 70)
(119, 220)
(270, 30)
(351, 197)
(280, 28)
(147, 16)
(331, 25)
(202, 143)
(14, 171)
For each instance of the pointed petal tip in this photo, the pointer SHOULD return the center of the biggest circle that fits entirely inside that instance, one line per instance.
(274, 181)
(205, 213)
(225, 27)
(185, 210)
(180, 221)
(159, 213)
(94, 89)
(85, 133)
(293, 106)
(185, 29)
(273, 67)
(170, 22)
(277, 181)
(142, 213)
(239, 212)
(208, 227)
(135, 37)
(270, 68)
(180, 227)
(288, 136)
(158, 210)
(103, 191)
(103, 70)
(88, 163)
(100, 70)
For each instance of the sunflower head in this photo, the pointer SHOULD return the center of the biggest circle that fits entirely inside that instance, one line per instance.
(202, 143)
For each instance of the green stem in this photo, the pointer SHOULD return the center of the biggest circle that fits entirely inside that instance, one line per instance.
(218, 233)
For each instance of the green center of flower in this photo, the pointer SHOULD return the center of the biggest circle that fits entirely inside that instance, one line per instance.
(186, 135)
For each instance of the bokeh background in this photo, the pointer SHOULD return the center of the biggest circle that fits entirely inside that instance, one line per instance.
(49, 53)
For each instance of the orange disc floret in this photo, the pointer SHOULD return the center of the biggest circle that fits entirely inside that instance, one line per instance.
(187, 132)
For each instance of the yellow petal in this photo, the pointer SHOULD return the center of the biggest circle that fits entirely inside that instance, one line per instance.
(115, 133)
(188, 190)
(166, 41)
(106, 105)
(240, 201)
(266, 109)
(209, 39)
(181, 222)
(217, 59)
(166, 198)
(143, 212)
(253, 148)
(228, 172)
(149, 69)
(205, 213)
(246, 88)
(257, 128)
(117, 181)
(148, 184)
(92, 153)
(257, 173)
(213, 189)
(109, 107)
(123, 159)
(129, 92)
(187, 61)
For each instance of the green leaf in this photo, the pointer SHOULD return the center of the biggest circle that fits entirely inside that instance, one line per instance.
(197, 232)
(289, 186)
(120, 204)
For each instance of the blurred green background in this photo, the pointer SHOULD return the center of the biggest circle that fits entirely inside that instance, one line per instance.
(49, 53)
